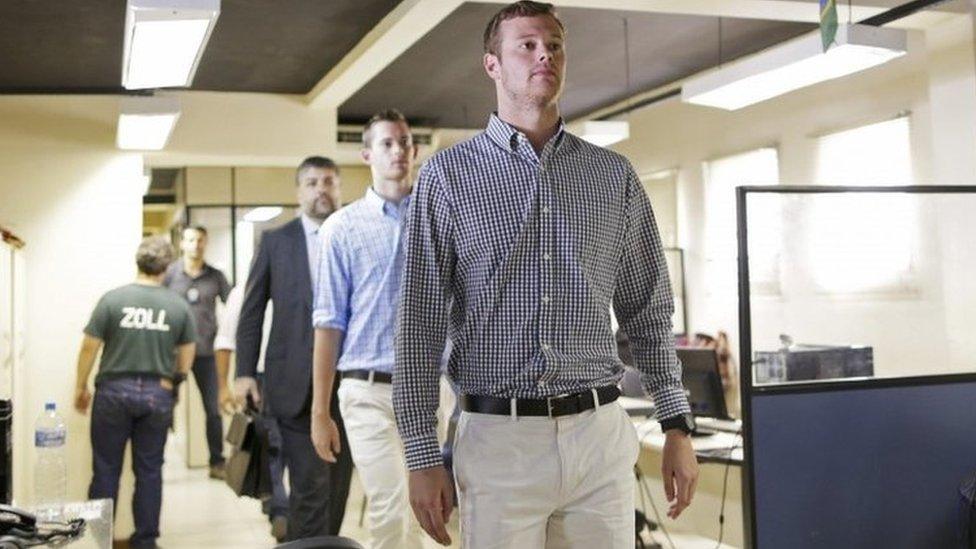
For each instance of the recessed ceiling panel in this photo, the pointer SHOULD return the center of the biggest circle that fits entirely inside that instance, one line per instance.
(440, 81)
(283, 46)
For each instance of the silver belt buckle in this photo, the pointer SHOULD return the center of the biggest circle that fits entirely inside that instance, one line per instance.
(549, 402)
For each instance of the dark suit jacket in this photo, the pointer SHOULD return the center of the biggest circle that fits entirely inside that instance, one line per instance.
(279, 272)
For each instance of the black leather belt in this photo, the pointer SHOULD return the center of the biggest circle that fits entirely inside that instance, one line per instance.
(368, 375)
(556, 406)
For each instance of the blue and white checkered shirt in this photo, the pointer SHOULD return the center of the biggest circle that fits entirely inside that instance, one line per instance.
(360, 265)
(518, 257)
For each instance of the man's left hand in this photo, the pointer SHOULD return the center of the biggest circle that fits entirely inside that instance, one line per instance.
(679, 469)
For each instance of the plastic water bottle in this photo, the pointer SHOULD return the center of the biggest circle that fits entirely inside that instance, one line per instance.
(50, 467)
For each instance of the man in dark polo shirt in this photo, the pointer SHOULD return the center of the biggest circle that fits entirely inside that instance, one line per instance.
(148, 338)
(201, 285)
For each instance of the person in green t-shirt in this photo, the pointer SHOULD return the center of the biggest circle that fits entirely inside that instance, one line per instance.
(147, 338)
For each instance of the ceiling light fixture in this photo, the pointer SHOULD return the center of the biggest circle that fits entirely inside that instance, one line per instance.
(793, 65)
(262, 214)
(605, 132)
(164, 40)
(146, 123)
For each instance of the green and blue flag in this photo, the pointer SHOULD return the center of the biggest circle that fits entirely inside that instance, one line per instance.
(828, 22)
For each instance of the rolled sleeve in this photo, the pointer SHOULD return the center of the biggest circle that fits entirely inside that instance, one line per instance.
(644, 305)
(227, 327)
(332, 293)
(422, 317)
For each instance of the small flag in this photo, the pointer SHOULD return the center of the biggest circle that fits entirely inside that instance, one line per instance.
(828, 22)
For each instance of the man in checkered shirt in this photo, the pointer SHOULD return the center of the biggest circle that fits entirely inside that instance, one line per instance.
(518, 243)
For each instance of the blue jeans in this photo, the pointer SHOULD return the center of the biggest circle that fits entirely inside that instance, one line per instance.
(205, 372)
(140, 409)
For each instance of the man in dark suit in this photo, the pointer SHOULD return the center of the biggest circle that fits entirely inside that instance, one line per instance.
(283, 271)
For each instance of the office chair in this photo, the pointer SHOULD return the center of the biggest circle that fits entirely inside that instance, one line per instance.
(321, 542)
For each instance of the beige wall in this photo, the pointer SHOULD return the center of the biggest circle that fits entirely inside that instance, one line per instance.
(251, 185)
(76, 201)
(935, 83)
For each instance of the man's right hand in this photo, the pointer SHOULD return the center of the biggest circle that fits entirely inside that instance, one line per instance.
(82, 399)
(325, 437)
(244, 386)
(432, 499)
(226, 401)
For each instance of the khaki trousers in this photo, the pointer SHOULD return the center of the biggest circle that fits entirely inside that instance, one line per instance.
(536, 482)
(367, 409)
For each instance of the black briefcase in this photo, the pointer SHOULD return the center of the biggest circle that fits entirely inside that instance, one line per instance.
(248, 469)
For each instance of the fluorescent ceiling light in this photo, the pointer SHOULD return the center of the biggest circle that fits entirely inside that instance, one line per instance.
(145, 123)
(661, 174)
(164, 40)
(263, 213)
(605, 132)
(793, 65)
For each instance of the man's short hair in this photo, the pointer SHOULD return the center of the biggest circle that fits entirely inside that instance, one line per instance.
(154, 254)
(315, 162)
(523, 8)
(389, 115)
(198, 228)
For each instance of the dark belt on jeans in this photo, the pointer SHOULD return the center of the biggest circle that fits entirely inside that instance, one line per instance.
(368, 375)
(555, 406)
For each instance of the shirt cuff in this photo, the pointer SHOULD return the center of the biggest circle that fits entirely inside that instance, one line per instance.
(422, 452)
(670, 402)
(224, 343)
(324, 319)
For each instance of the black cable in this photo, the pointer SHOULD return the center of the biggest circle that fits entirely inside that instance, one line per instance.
(725, 486)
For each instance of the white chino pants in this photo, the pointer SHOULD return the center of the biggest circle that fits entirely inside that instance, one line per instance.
(367, 410)
(536, 482)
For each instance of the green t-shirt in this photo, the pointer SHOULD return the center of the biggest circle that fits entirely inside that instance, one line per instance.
(141, 326)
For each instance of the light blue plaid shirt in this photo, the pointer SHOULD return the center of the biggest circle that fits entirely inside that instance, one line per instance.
(519, 257)
(359, 267)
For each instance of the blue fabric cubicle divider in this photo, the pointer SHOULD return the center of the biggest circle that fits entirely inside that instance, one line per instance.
(863, 464)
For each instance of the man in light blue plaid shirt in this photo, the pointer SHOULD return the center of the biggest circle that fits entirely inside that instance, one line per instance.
(519, 241)
(359, 267)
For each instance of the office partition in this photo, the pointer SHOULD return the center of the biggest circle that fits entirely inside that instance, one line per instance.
(871, 461)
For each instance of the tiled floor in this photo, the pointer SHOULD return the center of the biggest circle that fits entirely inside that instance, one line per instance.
(202, 513)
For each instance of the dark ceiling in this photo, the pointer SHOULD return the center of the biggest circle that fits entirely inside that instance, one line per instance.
(280, 46)
(287, 46)
(662, 48)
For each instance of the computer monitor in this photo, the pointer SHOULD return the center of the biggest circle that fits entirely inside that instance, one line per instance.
(703, 383)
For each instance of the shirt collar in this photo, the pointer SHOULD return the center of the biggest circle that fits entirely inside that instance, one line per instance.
(382, 206)
(203, 270)
(310, 225)
(508, 137)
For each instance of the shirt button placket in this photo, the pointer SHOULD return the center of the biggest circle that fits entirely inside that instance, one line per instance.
(545, 275)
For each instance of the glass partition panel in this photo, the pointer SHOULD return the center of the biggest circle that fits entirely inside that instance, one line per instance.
(873, 282)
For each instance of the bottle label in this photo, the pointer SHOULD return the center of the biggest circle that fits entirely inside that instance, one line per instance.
(49, 439)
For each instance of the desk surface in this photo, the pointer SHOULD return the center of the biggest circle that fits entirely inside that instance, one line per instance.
(722, 447)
